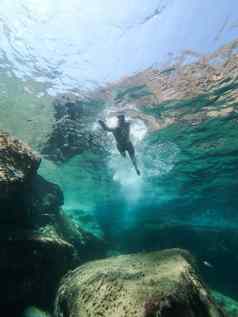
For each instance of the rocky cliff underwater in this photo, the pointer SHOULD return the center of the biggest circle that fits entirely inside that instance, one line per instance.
(81, 233)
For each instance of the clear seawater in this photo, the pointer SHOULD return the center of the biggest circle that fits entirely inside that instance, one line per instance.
(172, 67)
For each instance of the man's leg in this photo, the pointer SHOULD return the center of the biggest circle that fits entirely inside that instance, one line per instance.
(121, 150)
(123, 153)
(131, 152)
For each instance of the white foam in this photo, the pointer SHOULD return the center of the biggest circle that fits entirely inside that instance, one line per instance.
(138, 130)
(125, 175)
(159, 158)
(124, 172)
(112, 122)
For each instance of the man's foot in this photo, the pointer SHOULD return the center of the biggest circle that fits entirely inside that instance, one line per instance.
(138, 172)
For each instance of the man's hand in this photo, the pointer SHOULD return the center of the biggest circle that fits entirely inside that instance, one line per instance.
(104, 126)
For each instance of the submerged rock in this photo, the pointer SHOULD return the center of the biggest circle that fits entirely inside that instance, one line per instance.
(33, 261)
(31, 267)
(142, 285)
(44, 200)
(25, 197)
(85, 219)
(18, 164)
(38, 243)
(72, 132)
(87, 246)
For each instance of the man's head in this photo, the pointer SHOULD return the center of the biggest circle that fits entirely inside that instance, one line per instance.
(121, 118)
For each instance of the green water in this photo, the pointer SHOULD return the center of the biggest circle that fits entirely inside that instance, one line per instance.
(178, 91)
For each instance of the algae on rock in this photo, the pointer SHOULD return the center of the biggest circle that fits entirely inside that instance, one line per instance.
(142, 285)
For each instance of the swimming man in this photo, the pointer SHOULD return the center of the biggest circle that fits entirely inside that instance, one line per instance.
(122, 136)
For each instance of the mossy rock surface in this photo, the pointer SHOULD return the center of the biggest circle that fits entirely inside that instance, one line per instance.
(32, 265)
(18, 163)
(139, 285)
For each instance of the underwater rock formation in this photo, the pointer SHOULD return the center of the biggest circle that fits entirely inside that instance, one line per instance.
(72, 133)
(33, 261)
(148, 284)
(18, 167)
(87, 246)
(43, 200)
(31, 267)
(18, 164)
(19, 250)
(24, 195)
(38, 243)
(87, 220)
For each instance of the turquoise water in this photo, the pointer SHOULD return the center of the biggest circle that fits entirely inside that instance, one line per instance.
(63, 68)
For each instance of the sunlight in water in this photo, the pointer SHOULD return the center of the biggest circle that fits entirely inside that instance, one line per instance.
(112, 122)
(39, 9)
(159, 158)
(170, 67)
(124, 172)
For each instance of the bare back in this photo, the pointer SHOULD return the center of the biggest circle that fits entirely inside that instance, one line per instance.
(122, 133)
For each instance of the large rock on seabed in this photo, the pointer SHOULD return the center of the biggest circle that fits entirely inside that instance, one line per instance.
(158, 284)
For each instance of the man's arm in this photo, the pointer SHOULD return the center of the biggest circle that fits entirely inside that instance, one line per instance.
(105, 127)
